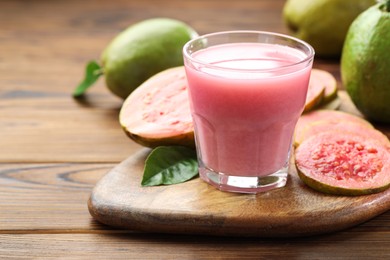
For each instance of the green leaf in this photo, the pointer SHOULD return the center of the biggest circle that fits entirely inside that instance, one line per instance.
(92, 72)
(170, 165)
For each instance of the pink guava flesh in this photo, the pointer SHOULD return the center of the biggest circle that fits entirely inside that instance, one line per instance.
(315, 94)
(329, 117)
(322, 89)
(158, 111)
(327, 81)
(342, 126)
(343, 163)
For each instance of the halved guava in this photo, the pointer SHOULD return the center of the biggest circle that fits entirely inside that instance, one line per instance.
(322, 89)
(341, 126)
(315, 94)
(158, 111)
(343, 164)
(333, 104)
(324, 116)
(329, 83)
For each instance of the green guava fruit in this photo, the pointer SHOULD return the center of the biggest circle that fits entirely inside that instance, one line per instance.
(158, 111)
(137, 53)
(323, 23)
(343, 164)
(365, 63)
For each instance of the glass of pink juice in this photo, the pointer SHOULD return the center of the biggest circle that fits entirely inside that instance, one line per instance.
(247, 90)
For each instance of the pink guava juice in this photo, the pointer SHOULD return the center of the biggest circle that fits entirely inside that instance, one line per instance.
(245, 104)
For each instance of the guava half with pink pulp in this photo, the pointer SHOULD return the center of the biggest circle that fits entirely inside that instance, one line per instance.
(343, 164)
(158, 111)
(322, 116)
(322, 89)
(341, 127)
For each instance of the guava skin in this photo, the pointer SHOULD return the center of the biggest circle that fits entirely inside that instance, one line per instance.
(323, 23)
(365, 63)
(186, 139)
(143, 50)
(332, 190)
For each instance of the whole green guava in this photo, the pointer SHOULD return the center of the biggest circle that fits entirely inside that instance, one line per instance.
(365, 62)
(143, 50)
(323, 23)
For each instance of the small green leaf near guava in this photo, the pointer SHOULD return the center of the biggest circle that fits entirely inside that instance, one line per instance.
(167, 165)
(92, 72)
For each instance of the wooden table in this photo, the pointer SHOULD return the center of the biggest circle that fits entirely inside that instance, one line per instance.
(54, 149)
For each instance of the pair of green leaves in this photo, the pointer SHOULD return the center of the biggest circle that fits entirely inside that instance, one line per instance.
(167, 165)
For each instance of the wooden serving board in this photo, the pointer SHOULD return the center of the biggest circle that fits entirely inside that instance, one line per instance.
(196, 207)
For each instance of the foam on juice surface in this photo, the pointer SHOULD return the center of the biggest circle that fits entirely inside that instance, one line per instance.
(247, 60)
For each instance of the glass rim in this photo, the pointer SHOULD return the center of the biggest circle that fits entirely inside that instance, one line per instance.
(309, 54)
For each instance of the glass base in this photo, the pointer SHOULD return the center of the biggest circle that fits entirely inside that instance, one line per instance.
(242, 184)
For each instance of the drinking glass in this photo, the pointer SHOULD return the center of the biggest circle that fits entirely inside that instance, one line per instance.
(247, 90)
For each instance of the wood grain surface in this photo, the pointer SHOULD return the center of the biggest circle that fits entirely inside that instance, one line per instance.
(195, 207)
(53, 149)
